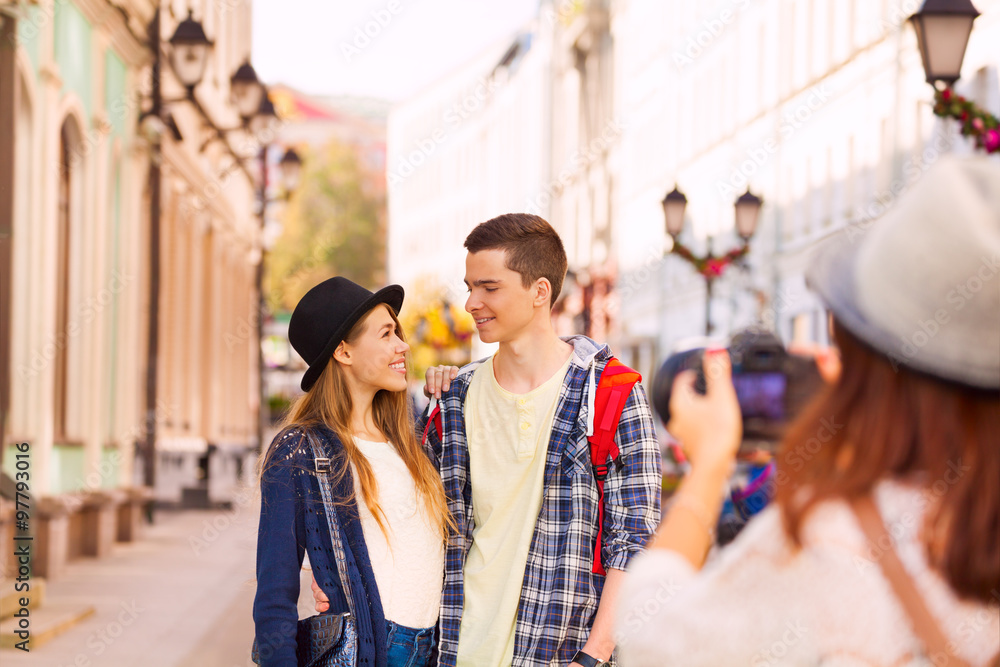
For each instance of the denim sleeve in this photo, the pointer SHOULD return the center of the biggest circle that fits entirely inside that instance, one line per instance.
(280, 547)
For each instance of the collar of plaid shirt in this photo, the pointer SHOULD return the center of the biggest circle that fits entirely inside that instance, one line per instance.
(559, 593)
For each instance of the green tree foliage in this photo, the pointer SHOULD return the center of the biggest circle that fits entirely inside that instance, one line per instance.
(334, 225)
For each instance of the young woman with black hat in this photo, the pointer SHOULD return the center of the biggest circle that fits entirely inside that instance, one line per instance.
(347, 483)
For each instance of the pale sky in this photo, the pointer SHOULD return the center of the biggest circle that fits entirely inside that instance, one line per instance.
(314, 45)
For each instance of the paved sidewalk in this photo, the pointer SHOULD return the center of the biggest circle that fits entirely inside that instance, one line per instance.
(180, 596)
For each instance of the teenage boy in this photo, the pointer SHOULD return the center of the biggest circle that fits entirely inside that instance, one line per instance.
(516, 467)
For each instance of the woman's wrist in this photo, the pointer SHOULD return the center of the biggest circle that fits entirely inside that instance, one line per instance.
(716, 467)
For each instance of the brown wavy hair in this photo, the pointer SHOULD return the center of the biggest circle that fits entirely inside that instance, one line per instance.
(877, 422)
(328, 403)
(531, 246)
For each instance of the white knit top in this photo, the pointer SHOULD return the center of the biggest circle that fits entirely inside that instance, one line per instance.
(409, 567)
(761, 603)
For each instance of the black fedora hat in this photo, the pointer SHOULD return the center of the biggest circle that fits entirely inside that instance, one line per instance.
(326, 313)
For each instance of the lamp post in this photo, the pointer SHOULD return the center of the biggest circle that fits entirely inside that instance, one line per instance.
(188, 58)
(943, 28)
(710, 266)
(290, 166)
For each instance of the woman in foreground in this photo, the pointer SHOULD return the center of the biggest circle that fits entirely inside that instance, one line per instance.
(883, 544)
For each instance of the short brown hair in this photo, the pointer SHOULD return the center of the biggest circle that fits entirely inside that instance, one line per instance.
(532, 247)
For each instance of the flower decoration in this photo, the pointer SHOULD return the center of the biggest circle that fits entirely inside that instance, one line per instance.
(977, 123)
(710, 266)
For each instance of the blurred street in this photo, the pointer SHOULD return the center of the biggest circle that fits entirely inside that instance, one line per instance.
(181, 595)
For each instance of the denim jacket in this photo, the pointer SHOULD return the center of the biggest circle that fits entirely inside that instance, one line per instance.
(293, 520)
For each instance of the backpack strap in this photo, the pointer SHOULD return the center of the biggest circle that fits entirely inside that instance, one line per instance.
(613, 389)
(433, 418)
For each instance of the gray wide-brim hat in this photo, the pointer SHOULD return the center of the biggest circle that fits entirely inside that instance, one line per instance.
(921, 284)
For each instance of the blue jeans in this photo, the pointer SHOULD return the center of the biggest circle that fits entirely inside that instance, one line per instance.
(410, 647)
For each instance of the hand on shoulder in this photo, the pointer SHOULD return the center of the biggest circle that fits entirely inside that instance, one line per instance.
(438, 380)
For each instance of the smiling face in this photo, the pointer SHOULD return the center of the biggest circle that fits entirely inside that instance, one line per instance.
(502, 306)
(376, 359)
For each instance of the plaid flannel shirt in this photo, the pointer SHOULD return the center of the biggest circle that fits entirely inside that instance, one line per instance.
(559, 593)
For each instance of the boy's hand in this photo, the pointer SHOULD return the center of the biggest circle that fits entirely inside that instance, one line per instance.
(322, 601)
(439, 380)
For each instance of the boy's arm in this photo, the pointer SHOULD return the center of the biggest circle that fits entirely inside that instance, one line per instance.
(631, 510)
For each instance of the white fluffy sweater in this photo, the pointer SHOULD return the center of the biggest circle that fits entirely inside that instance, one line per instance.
(759, 602)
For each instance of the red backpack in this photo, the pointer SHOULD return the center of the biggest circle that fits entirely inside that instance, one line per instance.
(613, 389)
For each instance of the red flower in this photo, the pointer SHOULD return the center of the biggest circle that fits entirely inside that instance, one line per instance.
(714, 267)
(991, 140)
(946, 94)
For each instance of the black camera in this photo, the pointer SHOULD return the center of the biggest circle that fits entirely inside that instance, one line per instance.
(772, 386)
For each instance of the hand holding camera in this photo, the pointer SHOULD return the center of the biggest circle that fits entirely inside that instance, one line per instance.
(771, 385)
(707, 423)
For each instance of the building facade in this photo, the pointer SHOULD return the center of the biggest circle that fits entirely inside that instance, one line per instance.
(80, 252)
(469, 148)
(820, 107)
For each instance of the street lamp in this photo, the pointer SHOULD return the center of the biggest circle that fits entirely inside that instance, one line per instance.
(189, 52)
(710, 266)
(247, 91)
(291, 169)
(673, 211)
(188, 58)
(747, 210)
(265, 117)
(943, 28)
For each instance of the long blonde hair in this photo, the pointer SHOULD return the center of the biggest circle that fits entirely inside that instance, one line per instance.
(329, 403)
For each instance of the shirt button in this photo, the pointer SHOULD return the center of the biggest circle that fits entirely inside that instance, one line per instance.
(521, 401)
(525, 426)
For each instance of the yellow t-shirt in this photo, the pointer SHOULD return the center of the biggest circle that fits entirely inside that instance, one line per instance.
(508, 437)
